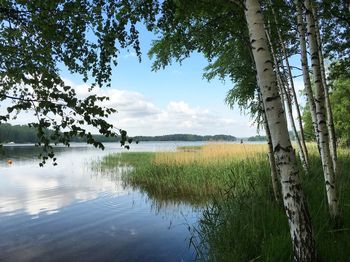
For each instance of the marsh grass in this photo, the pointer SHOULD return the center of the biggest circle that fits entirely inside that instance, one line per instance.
(240, 219)
(192, 175)
(211, 154)
(250, 226)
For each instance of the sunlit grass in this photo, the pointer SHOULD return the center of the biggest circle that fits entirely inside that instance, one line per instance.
(211, 154)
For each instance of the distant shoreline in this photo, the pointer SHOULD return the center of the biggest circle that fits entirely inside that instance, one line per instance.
(23, 134)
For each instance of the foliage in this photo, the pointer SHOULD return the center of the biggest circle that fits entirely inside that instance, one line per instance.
(341, 109)
(218, 31)
(339, 98)
(17, 134)
(39, 38)
(307, 121)
(335, 25)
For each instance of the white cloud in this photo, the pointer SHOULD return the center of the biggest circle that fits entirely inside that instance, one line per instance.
(45, 189)
(130, 54)
(140, 116)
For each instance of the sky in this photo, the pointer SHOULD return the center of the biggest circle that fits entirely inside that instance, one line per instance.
(174, 100)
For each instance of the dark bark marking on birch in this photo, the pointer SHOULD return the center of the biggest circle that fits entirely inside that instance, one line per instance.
(278, 147)
(271, 98)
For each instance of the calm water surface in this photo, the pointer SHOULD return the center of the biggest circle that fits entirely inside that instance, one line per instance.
(72, 212)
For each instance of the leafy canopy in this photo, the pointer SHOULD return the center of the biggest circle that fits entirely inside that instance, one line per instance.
(37, 38)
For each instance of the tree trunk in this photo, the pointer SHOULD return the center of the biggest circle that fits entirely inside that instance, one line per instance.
(321, 115)
(290, 76)
(272, 162)
(305, 67)
(293, 197)
(284, 93)
(330, 122)
(301, 139)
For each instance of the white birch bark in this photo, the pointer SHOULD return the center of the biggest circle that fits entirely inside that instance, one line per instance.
(293, 197)
(305, 67)
(301, 139)
(327, 163)
(292, 87)
(330, 122)
(272, 162)
(286, 97)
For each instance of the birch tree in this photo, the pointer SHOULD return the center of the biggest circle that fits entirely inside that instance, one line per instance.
(322, 130)
(273, 168)
(286, 98)
(289, 84)
(220, 32)
(330, 122)
(293, 198)
(305, 68)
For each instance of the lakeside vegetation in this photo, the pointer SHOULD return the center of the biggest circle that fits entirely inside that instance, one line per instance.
(241, 221)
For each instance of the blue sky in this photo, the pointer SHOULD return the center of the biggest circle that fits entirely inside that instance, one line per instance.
(174, 100)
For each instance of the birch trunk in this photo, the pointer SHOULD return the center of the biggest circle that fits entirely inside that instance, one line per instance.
(291, 117)
(301, 139)
(293, 197)
(284, 93)
(292, 87)
(330, 122)
(305, 67)
(272, 162)
(327, 163)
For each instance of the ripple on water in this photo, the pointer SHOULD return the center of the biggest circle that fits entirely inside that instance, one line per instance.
(70, 213)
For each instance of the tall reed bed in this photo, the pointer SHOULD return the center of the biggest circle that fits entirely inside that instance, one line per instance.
(197, 174)
(210, 154)
(248, 225)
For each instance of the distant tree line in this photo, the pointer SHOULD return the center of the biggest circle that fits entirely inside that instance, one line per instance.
(26, 134)
(17, 134)
(186, 137)
(257, 138)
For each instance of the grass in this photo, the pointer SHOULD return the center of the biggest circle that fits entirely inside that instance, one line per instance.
(249, 226)
(188, 175)
(240, 219)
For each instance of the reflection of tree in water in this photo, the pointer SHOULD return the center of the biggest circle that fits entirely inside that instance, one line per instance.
(30, 152)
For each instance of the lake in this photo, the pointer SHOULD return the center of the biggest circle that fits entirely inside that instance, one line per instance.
(73, 212)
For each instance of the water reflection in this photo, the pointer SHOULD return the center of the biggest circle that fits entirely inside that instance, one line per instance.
(72, 212)
(26, 187)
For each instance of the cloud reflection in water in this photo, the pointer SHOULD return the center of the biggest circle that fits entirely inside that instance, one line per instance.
(25, 187)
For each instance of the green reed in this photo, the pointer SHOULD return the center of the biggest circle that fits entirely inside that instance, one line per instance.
(240, 221)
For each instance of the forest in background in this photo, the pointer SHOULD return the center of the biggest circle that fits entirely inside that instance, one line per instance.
(26, 134)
